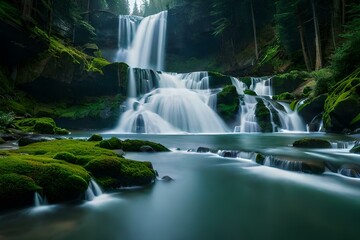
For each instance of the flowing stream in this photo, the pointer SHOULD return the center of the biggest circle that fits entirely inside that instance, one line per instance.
(212, 197)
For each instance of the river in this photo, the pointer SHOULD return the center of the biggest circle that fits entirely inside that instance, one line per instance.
(211, 197)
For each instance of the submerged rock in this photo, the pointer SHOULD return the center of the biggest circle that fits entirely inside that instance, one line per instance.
(350, 170)
(203, 150)
(312, 143)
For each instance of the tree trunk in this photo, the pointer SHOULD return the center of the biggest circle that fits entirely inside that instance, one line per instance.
(343, 12)
(50, 17)
(26, 8)
(318, 58)
(303, 48)
(254, 29)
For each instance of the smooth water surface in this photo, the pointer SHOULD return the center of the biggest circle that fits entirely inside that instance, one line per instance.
(210, 198)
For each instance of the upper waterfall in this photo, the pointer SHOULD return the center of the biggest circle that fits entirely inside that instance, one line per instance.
(141, 41)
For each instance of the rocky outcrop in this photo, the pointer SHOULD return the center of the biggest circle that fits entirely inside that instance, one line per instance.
(342, 106)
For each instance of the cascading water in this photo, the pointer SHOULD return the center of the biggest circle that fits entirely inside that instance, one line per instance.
(93, 190)
(179, 104)
(39, 200)
(148, 47)
(128, 25)
(281, 116)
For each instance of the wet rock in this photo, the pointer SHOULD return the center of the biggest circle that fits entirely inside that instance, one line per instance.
(355, 149)
(146, 148)
(2, 141)
(167, 179)
(312, 143)
(260, 159)
(350, 170)
(228, 154)
(203, 150)
(24, 141)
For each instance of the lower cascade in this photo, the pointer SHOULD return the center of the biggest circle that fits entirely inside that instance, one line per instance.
(181, 103)
(93, 191)
(160, 102)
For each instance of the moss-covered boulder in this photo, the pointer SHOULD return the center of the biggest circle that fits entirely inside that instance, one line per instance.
(342, 106)
(113, 172)
(263, 117)
(16, 190)
(260, 159)
(286, 96)
(112, 143)
(61, 171)
(39, 125)
(288, 82)
(218, 80)
(228, 103)
(95, 138)
(135, 146)
(250, 92)
(355, 149)
(312, 143)
(312, 107)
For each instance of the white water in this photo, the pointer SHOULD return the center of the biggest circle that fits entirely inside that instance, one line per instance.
(93, 191)
(126, 33)
(288, 120)
(182, 103)
(39, 200)
(148, 46)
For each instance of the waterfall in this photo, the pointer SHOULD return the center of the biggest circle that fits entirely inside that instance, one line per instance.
(39, 200)
(262, 86)
(92, 191)
(180, 103)
(126, 32)
(148, 47)
(282, 118)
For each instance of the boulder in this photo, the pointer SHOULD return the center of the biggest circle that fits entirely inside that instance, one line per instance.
(146, 148)
(342, 106)
(24, 141)
(312, 143)
(203, 150)
(312, 107)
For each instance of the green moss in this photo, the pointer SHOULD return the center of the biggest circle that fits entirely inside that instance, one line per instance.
(39, 125)
(135, 145)
(59, 180)
(66, 156)
(355, 149)
(228, 103)
(263, 116)
(95, 138)
(250, 92)
(112, 143)
(16, 190)
(284, 96)
(343, 104)
(312, 143)
(246, 80)
(293, 105)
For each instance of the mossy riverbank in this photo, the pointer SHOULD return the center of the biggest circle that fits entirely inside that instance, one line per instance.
(61, 171)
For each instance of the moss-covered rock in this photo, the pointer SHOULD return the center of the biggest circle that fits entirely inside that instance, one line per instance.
(312, 107)
(260, 159)
(286, 96)
(95, 138)
(112, 143)
(263, 117)
(228, 103)
(288, 82)
(135, 146)
(342, 106)
(218, 80)
(312, 143)
(114, 172)
(16, 190)
(250, 92)
(39, 125)
(61, 170)
(66, 156)
(355, 149)
(2, 141)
